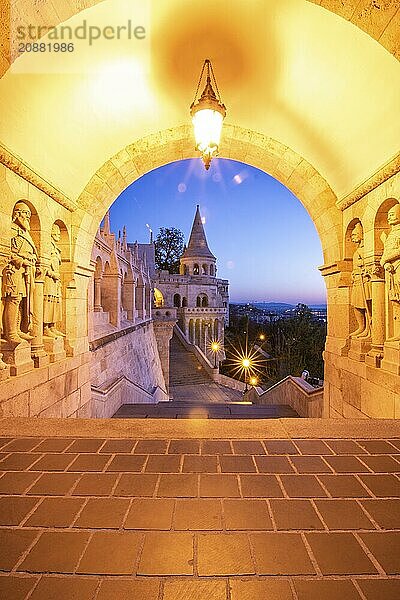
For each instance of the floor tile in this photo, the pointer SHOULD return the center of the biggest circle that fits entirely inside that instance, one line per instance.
(325, 590)
(18, 461)
(16, 588)
(380, 589)
(385, 546)
(200, 464)
(167, 553)
(95, 484)
(118, 447)
(346, 464)
(302, 486)
(224, 554)
(163, 463)
(13, 509)
(136, 484)
(310, 464)
(178, 485)
(17, 482)
(54, 445)
(313, 447)
(377, 446)
(237, 464)
(343, 486)
(216, 447)
(111, 553)
(65, 588)
(85, 445)
(380, 485)
(55, 512)
(189, 589)
(246, 514)
(90, 462)
(343, 514)
(384, 512)
(281, 554)
(295, 514)
(126, 462)
(260, 589)
(53, 462)
(345, 447)
(219, 486)
(184, 447)
(382, 464)
(273, 464)
(136, 588)
(103, 513)
(13, 544)
(247, 447)
(339, 554)
(21, 445)
(150, 513)
(280, 447)
(260, 486)
(198, 514)
(151, 447)
(66, 548)
(54, 484)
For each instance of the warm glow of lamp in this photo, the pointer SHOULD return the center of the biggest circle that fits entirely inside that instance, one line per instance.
(246, 362)
(253, 380)
(262, 337)
(207, 114)
(215, 346)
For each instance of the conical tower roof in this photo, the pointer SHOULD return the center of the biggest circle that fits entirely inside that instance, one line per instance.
(197, 246)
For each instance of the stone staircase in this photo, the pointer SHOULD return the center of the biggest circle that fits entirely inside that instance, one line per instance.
(184, 368)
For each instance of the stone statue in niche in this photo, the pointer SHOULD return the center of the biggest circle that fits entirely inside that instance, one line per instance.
(361, 296)
(19, 278)
(52, 293)
(391, 262)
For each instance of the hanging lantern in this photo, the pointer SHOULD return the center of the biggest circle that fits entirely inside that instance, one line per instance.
(207, 114)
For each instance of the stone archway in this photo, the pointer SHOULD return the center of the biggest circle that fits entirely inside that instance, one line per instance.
(255, 149)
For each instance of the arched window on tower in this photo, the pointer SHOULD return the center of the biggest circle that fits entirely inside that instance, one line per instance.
(185, 270)
(177, 300)
(184, 301)
(196, 269)
(204, 269)
(198, 301)
(212, 270)
(204, 300)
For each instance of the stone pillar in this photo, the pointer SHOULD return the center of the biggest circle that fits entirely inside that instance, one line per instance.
(38, 353)
(375, 355)
(140, 298)
(129, 299)
(163, 330)
(97, 295)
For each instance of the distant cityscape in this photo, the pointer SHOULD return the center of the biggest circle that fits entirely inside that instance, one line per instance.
(267, 312)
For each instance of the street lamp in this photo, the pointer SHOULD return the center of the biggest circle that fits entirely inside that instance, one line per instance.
(246, 364)
(207, 114)
(215, 347)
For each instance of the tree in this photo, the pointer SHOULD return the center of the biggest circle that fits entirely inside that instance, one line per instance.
(169, 246)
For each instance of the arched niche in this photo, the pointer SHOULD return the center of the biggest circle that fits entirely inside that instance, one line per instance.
(381, 226)
(158, 298)
(349, 245)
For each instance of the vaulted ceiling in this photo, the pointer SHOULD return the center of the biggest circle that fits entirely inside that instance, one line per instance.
(291, 70)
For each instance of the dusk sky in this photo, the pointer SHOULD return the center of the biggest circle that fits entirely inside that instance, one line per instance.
(263, 238)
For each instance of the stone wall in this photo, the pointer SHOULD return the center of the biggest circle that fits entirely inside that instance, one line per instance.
(362, 376)
(133, 359)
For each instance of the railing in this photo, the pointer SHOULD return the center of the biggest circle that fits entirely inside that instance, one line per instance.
(185, 310)
(306, 400)
(108, 397)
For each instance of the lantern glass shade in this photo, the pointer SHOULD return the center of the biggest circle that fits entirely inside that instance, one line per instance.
(207, 125)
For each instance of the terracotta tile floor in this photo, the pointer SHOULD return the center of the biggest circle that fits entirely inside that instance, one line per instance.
(91, 518)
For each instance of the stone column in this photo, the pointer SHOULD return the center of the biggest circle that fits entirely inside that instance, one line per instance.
(129, 299)
(163, 330)
(39, 356)
(97, 295)
(375, 355)
(141, 310)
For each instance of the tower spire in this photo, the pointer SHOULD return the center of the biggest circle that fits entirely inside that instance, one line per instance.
(198, 246)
